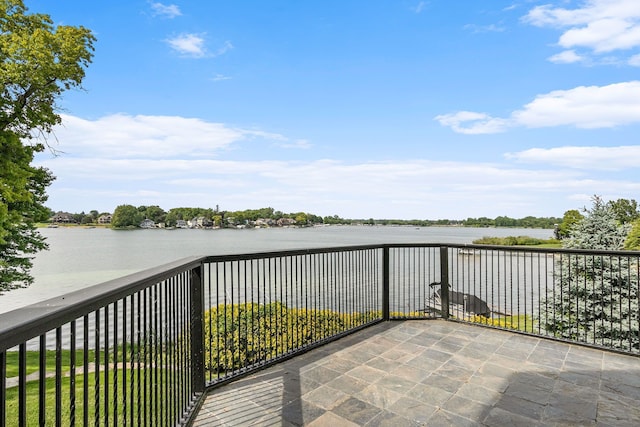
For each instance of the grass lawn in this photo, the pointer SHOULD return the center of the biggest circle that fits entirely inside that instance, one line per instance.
(33, 361)
(134, 399)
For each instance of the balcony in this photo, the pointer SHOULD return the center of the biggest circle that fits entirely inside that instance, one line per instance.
(409, 373)
(369, 335)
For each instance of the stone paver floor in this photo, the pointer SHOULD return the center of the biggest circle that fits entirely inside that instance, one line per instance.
(435, 373)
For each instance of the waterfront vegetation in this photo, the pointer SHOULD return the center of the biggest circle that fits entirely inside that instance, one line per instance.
(519, 241)
(522, 322)
(129, 216)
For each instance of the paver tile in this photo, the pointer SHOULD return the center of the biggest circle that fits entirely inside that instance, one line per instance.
(435, 373)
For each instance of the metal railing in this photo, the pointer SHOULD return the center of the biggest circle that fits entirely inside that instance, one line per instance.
(143, 350)
(119, 353)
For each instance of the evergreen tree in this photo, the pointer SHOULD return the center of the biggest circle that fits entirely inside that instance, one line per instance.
(596, 295)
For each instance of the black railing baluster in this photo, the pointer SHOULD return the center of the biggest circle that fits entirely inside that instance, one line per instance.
(72, 374)
(124, 361)
(22, 385)
(165, 346)
(42, 381)
(115, 362)
(3, 389)
(58, 376)
(197, 332)
(385, 283)
(85, 370)
(444, 281)
(97, 357)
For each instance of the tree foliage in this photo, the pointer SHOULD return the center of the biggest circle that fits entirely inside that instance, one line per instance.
(569, 220)
(126, 216)
(633, 238)
(22, 194)
(239, 335)
(596, 296)
(625, 210)
(38, 62)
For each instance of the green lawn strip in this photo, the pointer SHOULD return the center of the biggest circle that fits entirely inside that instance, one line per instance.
(519, 241)
(148, 391)
(33, 361)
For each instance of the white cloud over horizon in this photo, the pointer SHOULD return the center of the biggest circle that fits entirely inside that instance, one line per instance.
(585, 107)
(175, 161)
(590, 158)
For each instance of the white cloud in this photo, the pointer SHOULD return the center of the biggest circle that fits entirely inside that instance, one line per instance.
(587, 107)
(226, 47)
(635, 60)
(299, 144)
(590, 158)
(566, 57)
(220, 77)
(125, 136)
(176, 161)
(420, 7)
(188, 45)
(167, 11)
(491, 28)
(599, 25)
(471, 123)
(380, 189)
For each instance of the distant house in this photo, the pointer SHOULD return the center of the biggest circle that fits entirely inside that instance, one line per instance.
(63, 217)
(105, 219)
(147, 223)
(262, 222)
(201, 222)
(285, 222)
(181, 223)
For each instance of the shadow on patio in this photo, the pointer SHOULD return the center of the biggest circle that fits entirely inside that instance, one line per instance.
(410, 373)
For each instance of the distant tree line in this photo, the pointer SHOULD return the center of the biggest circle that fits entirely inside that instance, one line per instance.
(500, 221)
(131, 216)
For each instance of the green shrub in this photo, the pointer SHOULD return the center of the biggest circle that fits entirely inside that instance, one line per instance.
(240, 335)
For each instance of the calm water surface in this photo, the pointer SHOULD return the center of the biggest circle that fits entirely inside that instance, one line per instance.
(80, 257)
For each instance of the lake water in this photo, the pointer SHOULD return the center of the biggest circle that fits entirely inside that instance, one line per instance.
(80, 257)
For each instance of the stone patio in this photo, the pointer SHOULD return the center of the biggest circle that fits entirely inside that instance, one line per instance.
(435, 373)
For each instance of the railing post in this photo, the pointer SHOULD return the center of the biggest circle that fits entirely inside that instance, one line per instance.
(385, 283)
(197, 329)
(444, 281)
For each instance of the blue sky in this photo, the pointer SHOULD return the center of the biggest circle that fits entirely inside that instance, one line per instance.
(370, 108)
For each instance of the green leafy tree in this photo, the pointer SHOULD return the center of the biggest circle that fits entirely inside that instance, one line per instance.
(126, 216)
(569, 220)
(155, 213)
(38, 62)
(633, 239)
(625, 210)
(22, 194)
(596, 296)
